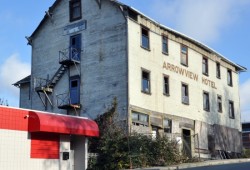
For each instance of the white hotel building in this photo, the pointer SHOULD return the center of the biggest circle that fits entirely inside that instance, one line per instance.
(86, 52)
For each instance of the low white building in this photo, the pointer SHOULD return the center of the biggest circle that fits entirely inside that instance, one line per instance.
(85, 53)
(37, 140)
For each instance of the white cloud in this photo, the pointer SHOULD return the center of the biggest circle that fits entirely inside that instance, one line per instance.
(245, 101)
(202, 20)
(12, 70)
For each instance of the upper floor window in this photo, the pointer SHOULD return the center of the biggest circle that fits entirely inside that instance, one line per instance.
(205, 66)
(231, 109)
(75, 10)
(140, 119)
(165, 85)
(184, 55)
(219, 103)
(229, 78)
(164, 44)
(145, 38)
(218, 70)
(206, 105)
(145, 81)
(184, 93)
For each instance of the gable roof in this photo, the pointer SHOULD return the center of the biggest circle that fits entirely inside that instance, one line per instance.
(203, 46)
(22, 81)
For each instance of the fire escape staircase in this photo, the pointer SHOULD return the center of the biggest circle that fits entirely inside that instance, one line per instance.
(46, 86)
(67, 57)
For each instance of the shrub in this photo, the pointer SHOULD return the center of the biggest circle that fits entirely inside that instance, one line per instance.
(118, 150)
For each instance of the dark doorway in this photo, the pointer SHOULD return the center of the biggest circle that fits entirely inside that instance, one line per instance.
(75, 90)
(186, 134)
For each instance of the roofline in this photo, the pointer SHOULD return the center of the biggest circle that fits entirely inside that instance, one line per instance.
(45, 17)
(239, 67)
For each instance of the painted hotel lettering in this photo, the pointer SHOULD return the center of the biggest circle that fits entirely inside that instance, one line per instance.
(188, 74)
(181, 71)
(208, 82)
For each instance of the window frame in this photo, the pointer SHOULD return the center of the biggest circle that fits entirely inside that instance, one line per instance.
(206, 106)
(185, 54)
(229, 77)
(186, 96)
(147, 47)
(167, 129)
(142, 81)
(205, 69)
(218, 70)
(166, 92)
(165, 44)
(231, 114)
(139, 121)
(219, 104)
(72, 9)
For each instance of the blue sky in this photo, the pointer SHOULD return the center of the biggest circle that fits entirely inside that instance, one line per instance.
(222, 25)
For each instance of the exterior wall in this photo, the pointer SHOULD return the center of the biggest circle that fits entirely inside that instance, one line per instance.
(15, 143)
(156, 104)
(25, 96)
(104, 52)
(154, 60)
(37, 150)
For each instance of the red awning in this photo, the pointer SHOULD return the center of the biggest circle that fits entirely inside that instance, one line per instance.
(55, 123)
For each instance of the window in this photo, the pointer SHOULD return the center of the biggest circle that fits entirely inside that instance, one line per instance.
(229, 78)
(184, 91)
(219, 103)
(218, 70)
(165, 85)
(139, 119)
(167, 124)
(75, 10)
(205, 66)
(145, 38)
(184, 55)
(164, 44)
(231, 109)
(206, 101)
(145, 81)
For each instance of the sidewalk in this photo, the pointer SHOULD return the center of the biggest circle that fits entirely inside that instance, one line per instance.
(199, 164)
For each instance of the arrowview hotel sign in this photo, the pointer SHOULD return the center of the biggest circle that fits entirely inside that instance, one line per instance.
(188, 74)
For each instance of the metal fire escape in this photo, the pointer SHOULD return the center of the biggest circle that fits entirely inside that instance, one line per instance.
(67, 58)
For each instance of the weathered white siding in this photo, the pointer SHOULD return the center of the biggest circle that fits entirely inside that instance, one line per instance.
(153, 60)
(103, 60)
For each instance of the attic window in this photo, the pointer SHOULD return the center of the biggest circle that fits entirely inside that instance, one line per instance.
(75, 9)
(132, 15)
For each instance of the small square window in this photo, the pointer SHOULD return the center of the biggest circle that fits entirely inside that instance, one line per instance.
(164, 44)
(185, 93)
(206, 105)
(219, 104)
(205, 66)
(145, 38)
(75, 10)
(145, 81)
(165, 85)
(229, 78)
(184, 55)
(231, 110)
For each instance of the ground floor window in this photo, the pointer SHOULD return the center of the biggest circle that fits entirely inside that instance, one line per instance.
(140, 119)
